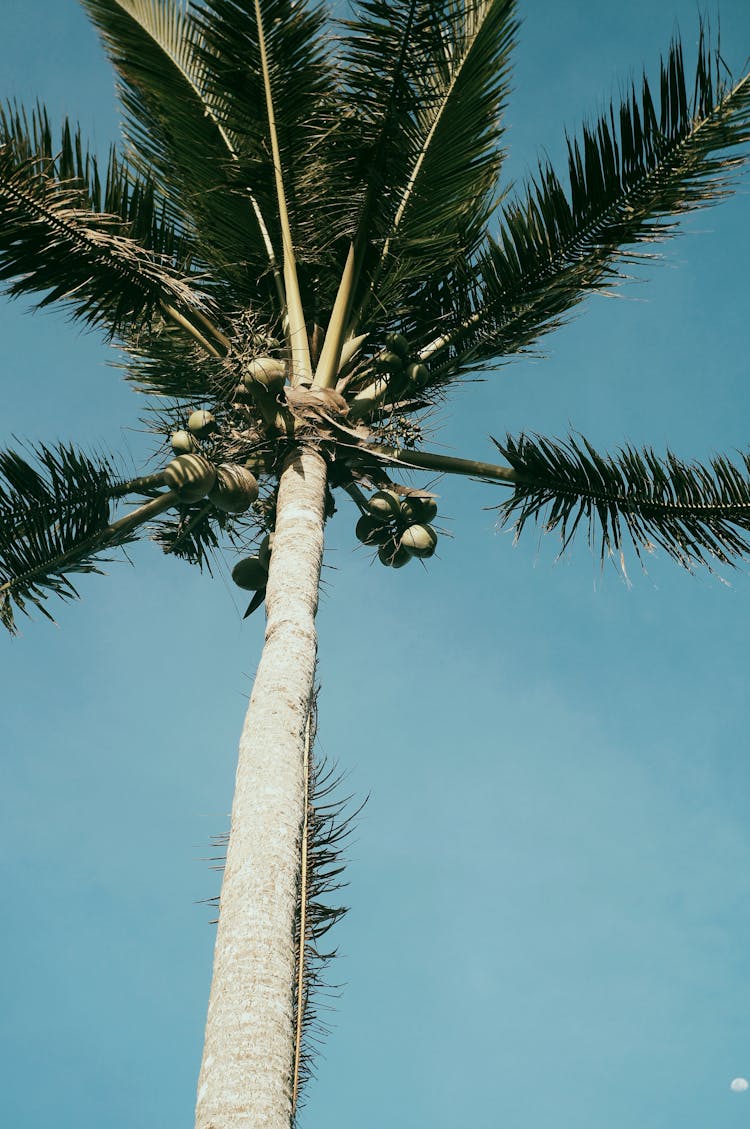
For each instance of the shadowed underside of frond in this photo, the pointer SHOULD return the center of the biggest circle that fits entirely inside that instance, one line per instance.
(699, 515)
(175, 135)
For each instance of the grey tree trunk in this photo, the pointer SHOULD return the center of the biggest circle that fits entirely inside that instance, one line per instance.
(245, 1079)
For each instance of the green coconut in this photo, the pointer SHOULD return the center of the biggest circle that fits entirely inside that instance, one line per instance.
(202, 423)
(417, 373)
(268, 371)
(397, 343)
(191, 475)
(392, 555)
(418, 510)
(371, 531)
(265, 549)
(384, 505)
(389, 362)
(183, 443)
(250, 574)
(235, 489)
(419, 540)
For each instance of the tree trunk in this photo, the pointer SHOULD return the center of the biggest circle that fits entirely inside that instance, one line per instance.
(245, 1080)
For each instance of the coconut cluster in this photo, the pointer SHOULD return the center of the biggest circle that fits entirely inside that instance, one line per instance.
(395, 360)
(399, 526)
(230, 487)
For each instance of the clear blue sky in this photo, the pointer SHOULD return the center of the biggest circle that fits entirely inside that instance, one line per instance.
(549, 885)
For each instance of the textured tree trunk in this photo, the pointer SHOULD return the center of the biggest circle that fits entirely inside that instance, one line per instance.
(245, 1079)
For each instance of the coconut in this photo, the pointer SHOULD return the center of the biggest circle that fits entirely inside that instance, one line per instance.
(235, 489)
(250, 574)
(202, 423)
(415, 509)
(384, 505)
(371, 531)
(183, 442)
(397, 343)
(419, 540)
(269, 371)
(392, 555)
(389, 362)
(265, 549)
(417, 374)
(191, 475)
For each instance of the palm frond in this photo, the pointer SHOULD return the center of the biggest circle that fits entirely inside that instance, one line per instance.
(430, 81)
(52, 517)
(114, 266)
(118, 192)
(192, 533)
(698, 514)
(161, 360)
(304, 106)
(632, 174)
(176, 134)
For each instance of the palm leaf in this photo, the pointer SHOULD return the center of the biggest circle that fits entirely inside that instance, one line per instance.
(698, 514)
(164, 362)
(430, 80)
(52, 517)
(632, 174)
(119, 192)
(291, 35)
(55, 240)
(175, 133)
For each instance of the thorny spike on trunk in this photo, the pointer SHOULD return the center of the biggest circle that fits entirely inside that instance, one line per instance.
(326, 826)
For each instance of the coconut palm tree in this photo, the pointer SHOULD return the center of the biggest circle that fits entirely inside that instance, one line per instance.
(303, 246)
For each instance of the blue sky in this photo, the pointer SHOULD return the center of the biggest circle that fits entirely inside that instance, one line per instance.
(549, 884)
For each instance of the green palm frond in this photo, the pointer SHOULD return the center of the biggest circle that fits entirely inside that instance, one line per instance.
(697, 514)
(164, 361)
(632, 174)
(429, 81)
(304, 103)
(176, 134)
(55, 240)
(119, 192)
(191, 533)
(52, 517)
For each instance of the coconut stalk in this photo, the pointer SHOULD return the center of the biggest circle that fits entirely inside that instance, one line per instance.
(246, 1078)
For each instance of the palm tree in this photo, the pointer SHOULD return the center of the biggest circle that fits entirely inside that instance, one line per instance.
(303, 247)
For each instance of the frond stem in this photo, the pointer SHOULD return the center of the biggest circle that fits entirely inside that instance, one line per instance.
(447, 464)
(297, 333)
(186, 324)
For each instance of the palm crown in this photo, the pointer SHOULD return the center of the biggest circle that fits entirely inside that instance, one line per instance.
(334, 203)
(305, 241)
